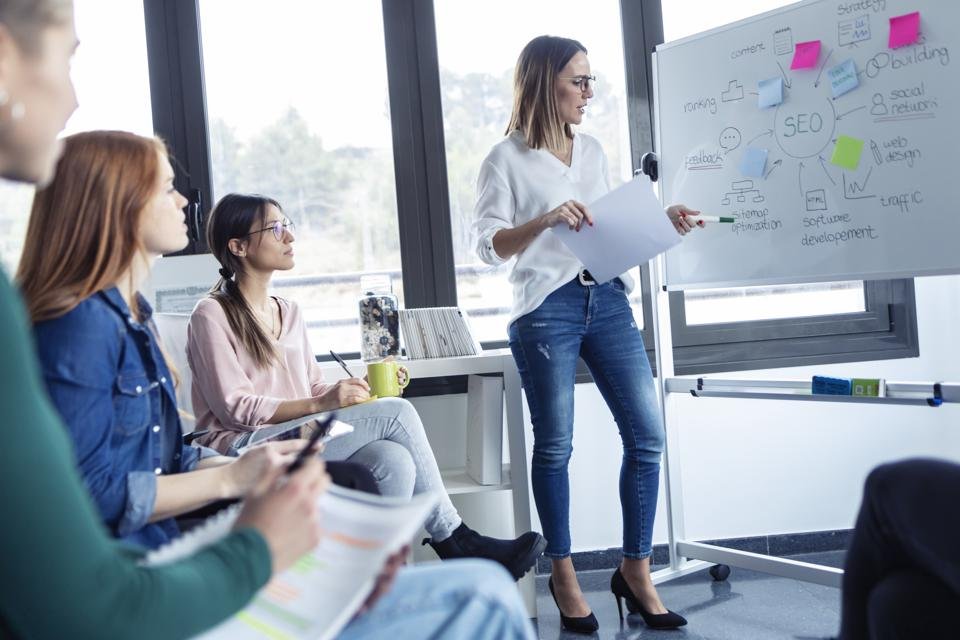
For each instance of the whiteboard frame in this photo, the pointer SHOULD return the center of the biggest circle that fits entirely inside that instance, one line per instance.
(765, 282)
(772, 282)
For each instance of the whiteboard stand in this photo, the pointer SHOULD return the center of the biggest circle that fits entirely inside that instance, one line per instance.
(680, 564)
(687, 556)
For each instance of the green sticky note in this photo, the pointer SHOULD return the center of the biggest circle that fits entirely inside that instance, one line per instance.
(847, 152)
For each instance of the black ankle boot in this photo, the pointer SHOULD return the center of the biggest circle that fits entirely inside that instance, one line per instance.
(517, 556)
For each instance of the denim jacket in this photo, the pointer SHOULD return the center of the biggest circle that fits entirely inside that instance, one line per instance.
(107, 378)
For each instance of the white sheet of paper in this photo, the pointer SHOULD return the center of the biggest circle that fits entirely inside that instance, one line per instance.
(630, 228)
(270, 431)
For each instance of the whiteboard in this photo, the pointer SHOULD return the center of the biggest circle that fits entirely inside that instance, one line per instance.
(803, 218)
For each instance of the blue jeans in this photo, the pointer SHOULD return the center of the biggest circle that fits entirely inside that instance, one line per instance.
(596, 323)
(458, 599)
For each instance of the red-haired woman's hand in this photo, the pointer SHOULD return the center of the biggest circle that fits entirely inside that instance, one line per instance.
(284, 511)
(269, 459)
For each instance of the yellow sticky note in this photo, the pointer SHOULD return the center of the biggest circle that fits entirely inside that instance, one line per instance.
(847, 152)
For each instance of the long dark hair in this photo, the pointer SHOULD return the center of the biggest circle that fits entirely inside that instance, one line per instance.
(535, 111)
(232, 217)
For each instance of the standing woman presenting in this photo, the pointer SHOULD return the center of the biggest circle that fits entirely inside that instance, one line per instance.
(538, 177)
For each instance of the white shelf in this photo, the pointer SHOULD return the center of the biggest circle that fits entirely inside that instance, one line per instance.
(489, 361)
(456, 481)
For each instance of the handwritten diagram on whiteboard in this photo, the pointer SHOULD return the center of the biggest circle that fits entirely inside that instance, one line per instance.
(828, 131)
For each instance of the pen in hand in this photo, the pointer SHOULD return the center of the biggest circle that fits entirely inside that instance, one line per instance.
(341, 363)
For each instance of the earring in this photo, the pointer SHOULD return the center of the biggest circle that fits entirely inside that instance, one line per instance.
(17, 109)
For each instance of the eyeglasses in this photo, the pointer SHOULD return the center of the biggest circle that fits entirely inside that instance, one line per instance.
(584, 83)
(278, 227)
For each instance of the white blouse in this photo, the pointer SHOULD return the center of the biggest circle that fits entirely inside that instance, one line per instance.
(516, 185)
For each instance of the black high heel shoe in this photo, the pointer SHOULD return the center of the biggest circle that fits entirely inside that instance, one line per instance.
(585, 624)
(622, 591)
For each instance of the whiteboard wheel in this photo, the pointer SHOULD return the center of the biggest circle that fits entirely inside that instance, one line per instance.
(720, 572)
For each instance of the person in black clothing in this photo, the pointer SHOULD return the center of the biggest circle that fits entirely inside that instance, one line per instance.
(902, 574)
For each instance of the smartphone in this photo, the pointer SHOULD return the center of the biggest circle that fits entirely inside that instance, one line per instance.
(323, 428)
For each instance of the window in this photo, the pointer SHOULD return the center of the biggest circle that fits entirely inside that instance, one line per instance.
(298, 106)
(110, 75)
(476, 81)
(298, 111)
(744, 304)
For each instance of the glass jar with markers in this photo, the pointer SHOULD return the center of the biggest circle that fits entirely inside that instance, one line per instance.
(379, 320)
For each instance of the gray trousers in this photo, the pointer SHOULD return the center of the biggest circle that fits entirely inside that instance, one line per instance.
(388, 438)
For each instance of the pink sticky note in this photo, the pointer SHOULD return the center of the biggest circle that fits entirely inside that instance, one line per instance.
(805, 55)
(904, 29)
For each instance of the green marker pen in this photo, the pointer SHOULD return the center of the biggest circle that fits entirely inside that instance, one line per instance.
(698, 220)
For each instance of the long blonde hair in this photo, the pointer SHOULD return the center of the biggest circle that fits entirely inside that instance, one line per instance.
(535, 111)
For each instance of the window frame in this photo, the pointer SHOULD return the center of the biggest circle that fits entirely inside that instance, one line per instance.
(887, 329)
(179, 100)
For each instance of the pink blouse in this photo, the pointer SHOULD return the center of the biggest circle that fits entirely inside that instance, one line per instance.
(231, 395)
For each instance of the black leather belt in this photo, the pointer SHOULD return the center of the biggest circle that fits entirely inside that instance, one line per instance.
(585, 278)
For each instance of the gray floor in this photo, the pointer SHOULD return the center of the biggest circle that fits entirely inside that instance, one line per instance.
(747, 606)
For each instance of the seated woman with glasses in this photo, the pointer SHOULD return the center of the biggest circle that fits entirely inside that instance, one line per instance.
(253, 366)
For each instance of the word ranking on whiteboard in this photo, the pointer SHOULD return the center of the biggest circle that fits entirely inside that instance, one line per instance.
(841, 115)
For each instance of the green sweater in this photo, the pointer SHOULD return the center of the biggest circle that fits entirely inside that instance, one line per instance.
(62, 574)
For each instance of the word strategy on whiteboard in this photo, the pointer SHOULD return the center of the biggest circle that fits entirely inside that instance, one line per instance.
(838, 118)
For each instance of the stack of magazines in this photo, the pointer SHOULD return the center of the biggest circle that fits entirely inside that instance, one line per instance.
(437, 332)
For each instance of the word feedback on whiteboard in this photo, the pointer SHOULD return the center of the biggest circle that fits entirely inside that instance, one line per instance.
(704, 160)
